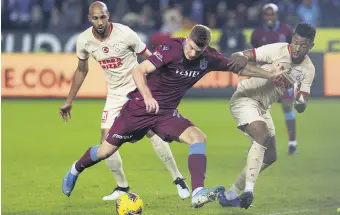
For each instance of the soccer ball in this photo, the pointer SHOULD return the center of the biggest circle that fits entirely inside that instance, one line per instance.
(129, 204)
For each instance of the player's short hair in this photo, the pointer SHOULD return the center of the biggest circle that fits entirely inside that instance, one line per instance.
(305, 30)
(201, 35)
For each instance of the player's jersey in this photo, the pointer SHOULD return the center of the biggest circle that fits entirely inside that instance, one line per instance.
(263, 36)
(116, 55)
(175, 74)
(264, 90)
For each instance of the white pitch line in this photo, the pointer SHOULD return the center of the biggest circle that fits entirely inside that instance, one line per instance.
(289, 212)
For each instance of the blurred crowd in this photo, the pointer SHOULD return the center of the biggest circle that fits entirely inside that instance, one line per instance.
(157, 18)
(163, 15)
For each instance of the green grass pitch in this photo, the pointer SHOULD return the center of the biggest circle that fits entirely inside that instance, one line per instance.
(38, 148)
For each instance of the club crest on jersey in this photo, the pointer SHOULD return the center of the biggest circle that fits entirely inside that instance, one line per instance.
(105, 49)
(298, 76)
(165, 48)
(203, 64)
(282, 38)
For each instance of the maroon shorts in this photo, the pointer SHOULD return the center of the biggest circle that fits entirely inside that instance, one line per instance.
(288, 95)
(133, 123)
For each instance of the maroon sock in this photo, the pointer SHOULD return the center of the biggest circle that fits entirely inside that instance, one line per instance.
(197, 166)
(291, 129)
(88, 159)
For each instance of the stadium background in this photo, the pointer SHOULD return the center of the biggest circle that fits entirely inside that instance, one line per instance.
(37, 61)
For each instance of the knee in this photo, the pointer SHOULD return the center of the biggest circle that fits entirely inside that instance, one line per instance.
(263, 138)
(198, 137)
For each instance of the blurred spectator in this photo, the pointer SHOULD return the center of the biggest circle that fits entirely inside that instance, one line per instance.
(254, 15)
(172, 20)
(221, 14)
(197, 11)
(20, 13)
(147, 21)
(232, 38)
(332, 17)
(241, 14)
(308, 11)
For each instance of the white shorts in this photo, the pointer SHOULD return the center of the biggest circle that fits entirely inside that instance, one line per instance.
(246, 110)
(113, 105)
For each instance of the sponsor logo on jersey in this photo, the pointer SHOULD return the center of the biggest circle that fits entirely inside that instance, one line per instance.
(122, 137)
(111, 63)
(187, 73)
(158, 55)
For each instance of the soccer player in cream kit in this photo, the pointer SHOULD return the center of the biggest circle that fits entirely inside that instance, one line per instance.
(251, 103)
(115, 47)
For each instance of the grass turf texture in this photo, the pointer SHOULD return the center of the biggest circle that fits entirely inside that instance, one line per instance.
(38, 149)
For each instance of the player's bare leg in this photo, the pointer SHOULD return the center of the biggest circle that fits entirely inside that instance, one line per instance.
(92, 156)
(230, 197)
(197, 166)
(287, 106)
(164, 153)
(258, 130)
(115, 164)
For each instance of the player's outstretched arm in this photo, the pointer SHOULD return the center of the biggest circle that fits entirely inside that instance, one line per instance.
(301, 102)
(254, 71)
(139, 76)
(146, 54)
(78, 79)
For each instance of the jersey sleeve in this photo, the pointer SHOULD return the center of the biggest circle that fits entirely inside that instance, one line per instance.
(136, 43)
(82, 54)
(164, 54)
(218, 61)
(266, 53)
(307, 82)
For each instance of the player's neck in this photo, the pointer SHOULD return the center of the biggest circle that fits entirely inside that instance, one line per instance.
(105, 35)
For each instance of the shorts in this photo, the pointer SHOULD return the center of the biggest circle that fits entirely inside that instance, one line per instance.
(246, 110)
(133, 123)
(113, 105)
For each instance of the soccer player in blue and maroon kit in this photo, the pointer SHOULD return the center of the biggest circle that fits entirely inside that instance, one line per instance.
(172, 69)
(274, 31)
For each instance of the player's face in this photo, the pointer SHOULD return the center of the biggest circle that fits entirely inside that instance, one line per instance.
(269, 17)
(299, 47)
(99, 19)
(191, 50)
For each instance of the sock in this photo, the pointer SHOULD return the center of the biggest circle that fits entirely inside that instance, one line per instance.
(232, 193)
(290, 123)
(115, 164)
(88, 159)
(164, 153)
(197, 164)
(254, 164)
(240, 182)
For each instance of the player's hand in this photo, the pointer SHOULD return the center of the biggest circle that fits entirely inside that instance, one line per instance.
(151, 105)
(65, 111)
(238, 62)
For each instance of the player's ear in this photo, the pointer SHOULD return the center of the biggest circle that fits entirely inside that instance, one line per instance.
(89, 17)
(312, 45)
(108, 16)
